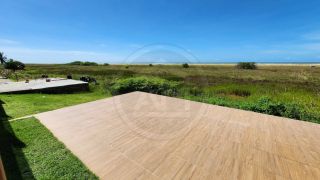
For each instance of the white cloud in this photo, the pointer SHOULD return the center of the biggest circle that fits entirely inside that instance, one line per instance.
(302, 48)
(29, 55)
(311, 46)
(274, 51)
(314, 36)
(8, 42)
(136, 46)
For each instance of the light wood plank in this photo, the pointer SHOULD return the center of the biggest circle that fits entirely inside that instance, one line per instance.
(145, 136)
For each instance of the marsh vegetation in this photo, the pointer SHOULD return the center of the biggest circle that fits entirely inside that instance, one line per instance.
(284, 90)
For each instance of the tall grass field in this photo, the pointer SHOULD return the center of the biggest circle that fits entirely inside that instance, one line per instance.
(291, 91)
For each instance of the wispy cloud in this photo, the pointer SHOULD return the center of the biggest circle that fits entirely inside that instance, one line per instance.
(313, 36)
(311, 46)
(29, 55)
(300, 49)
(102, 45)
(274, 51)
(309, 43)
(136, 46)
(8, 42)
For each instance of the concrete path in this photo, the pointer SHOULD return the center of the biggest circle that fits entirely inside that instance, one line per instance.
(145, 136)
(41, 85)
(3, 80)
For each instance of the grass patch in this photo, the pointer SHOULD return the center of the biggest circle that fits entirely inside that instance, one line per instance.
(30, 151)
(241, 93)
(18, 105)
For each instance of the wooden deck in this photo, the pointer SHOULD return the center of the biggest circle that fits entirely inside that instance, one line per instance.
(145, 136)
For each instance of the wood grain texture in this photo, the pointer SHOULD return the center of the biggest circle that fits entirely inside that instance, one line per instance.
(146, 136)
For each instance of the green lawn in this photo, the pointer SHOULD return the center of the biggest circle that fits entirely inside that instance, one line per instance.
(19, 105)
(30, 151)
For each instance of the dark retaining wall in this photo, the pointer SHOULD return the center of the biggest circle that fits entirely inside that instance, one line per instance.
(55, 90)
(2, 174)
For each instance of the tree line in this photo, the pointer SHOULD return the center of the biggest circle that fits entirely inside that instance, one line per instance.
(11, 64)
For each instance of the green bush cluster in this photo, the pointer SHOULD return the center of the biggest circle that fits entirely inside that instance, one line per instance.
(185, 65)
(14, 65)
(83, 63)
(246, 65)
(264, 105)
(289, 110)
(87, 63)
(146, 84)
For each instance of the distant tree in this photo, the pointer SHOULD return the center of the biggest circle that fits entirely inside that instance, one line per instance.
(150, 65)
(87, 63)
(14, 66)
(81, 63)
(246, 65)
(106, 64)
(3, 58)
(75, 63)
(185, 65)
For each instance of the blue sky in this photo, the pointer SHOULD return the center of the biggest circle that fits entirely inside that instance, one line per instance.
(57, 31)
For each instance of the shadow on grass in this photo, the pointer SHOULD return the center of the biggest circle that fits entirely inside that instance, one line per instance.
(13, 159)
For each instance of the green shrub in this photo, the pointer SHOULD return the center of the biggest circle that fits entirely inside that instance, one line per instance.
(146, 84)
(86, 63)
(266, 105)
(246, 65)
(6, 73)
(294, 111)
(75, 63)
(195, 91)
(185, 65)
(263, 105)
(14, 65)
(150, 65)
